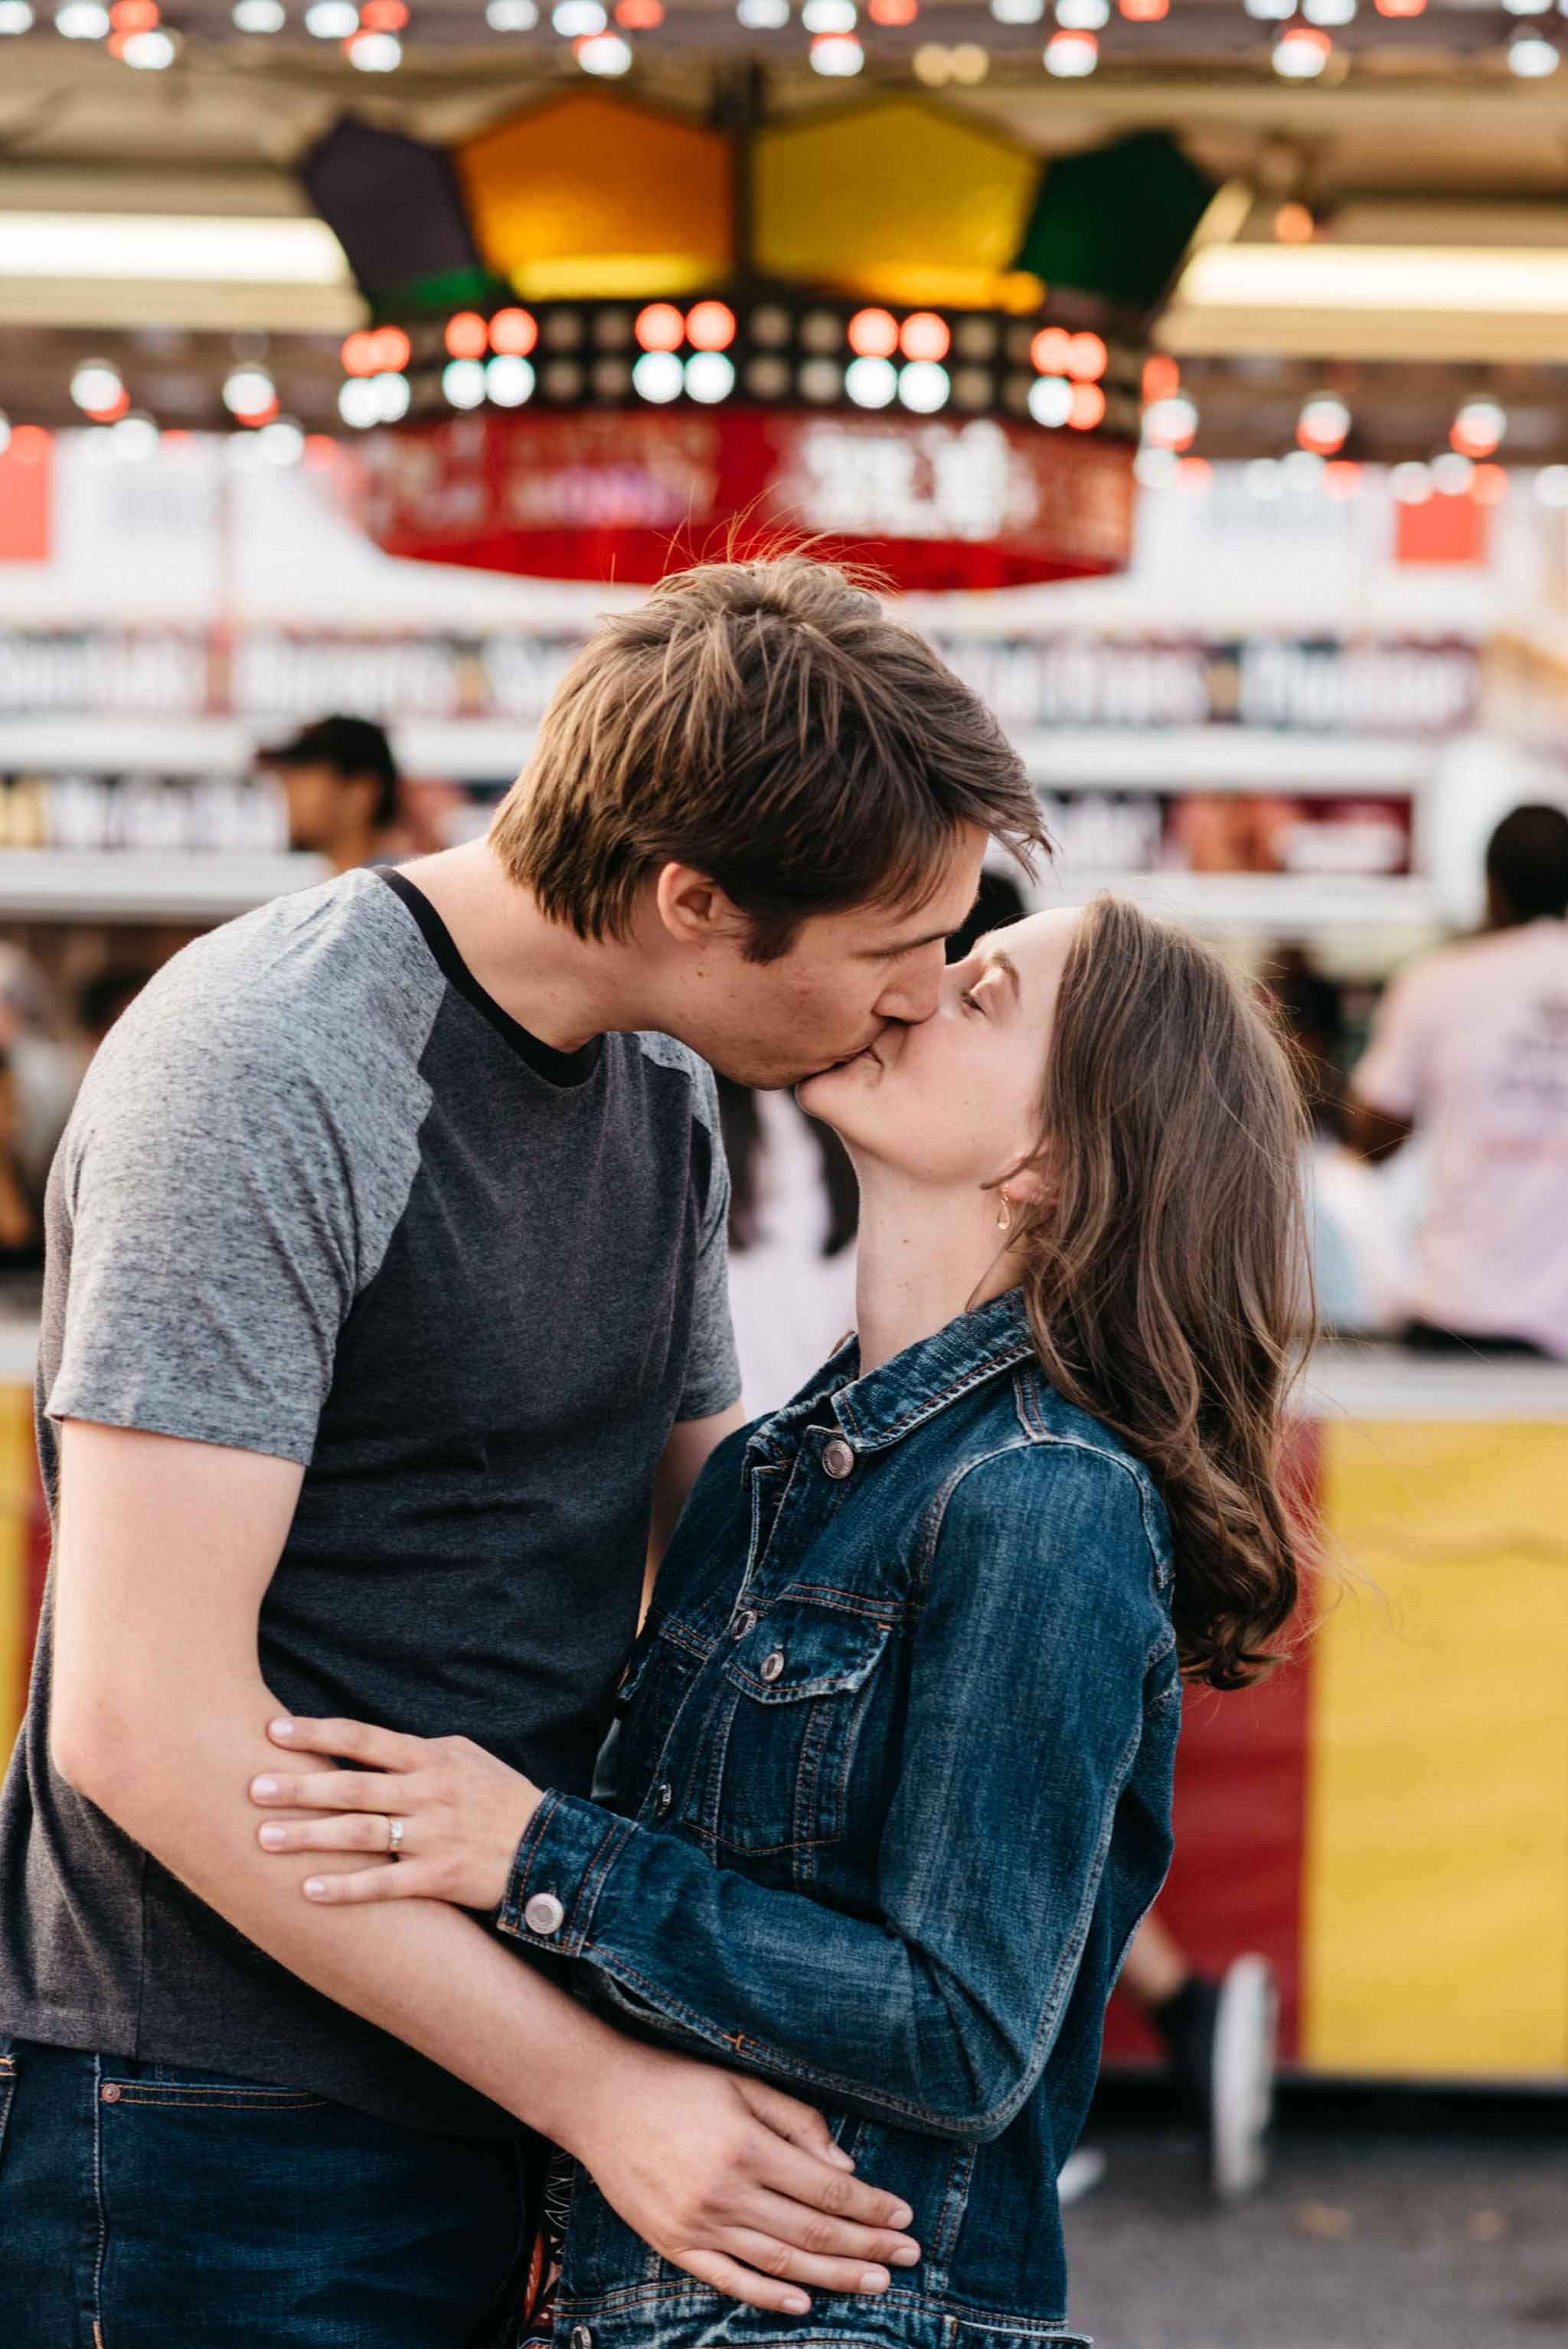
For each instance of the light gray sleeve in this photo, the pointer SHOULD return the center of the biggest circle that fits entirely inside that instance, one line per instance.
(713, 1367)
(223, 1202)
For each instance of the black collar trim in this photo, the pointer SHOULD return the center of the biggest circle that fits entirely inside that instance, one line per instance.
(563, 1069)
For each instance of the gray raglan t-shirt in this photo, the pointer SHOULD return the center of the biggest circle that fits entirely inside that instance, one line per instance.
(321, 1197)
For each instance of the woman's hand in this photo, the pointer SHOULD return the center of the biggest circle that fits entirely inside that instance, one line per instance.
(463, 1813)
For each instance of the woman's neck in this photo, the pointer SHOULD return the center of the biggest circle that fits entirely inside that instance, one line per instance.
(924, 1257)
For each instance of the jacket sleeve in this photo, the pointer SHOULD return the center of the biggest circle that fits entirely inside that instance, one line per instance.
(1025, 1711)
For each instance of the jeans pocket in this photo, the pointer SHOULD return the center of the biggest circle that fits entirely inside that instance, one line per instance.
(189, 2092)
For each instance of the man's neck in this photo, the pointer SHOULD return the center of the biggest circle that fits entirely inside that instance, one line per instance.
(924, 1257)
(563, 989)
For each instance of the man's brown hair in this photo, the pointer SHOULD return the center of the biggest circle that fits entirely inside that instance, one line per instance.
(766, 723)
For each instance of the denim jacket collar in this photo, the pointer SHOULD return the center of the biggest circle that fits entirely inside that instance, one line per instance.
(887, 1404)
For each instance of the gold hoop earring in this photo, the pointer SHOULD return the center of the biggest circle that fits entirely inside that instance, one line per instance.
(1005, 1215)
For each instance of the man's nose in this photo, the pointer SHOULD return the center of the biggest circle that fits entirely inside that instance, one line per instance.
(913, 994)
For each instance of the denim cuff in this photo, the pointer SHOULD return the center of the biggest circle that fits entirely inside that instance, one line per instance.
(558, 1873)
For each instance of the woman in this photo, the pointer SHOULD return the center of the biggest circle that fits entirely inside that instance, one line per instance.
(893, 1776)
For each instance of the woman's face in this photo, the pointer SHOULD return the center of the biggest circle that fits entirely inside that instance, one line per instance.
(956, 1101)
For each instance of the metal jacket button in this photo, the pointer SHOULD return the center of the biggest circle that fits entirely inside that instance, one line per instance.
(739, 1625)
(662, 1799)
(838, 1459)
(771, 1666)
(582, 2336)
(544, 1914)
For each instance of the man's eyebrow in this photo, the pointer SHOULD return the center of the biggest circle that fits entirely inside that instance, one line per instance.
(908, 946)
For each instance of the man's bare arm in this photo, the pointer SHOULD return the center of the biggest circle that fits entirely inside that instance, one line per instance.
(680, 1464)
(160, 1713)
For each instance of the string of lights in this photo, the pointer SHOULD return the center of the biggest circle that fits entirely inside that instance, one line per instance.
(601, 33)
(776, 350)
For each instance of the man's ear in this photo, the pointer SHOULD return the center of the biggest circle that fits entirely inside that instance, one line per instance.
(695, 910)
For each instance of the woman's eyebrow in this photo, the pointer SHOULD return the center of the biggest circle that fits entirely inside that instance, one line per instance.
(1008, 968)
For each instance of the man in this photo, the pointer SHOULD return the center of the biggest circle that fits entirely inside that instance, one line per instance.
(340, 783)
(386, 1283)
(1472, 1044)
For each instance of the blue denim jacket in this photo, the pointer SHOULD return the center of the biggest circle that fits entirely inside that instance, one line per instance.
(892, 1792)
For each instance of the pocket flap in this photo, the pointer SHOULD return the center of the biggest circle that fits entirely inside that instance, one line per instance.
(793, 1654)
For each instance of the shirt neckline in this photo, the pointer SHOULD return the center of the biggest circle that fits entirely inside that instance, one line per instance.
(565, 1069)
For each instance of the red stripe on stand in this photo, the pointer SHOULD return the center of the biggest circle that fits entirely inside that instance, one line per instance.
(1241, 1824)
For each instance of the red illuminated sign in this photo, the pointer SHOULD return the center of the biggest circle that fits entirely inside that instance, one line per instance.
(932, 501)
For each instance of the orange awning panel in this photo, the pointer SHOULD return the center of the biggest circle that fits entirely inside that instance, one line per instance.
(589, 196)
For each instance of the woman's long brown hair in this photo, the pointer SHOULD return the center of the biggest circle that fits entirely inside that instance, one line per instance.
(1166, 1275)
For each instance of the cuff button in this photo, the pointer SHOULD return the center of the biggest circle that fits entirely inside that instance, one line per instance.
(544, 1914)
(582, 2336)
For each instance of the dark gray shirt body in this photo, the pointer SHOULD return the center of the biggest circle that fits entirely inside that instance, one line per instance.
(320, 1197)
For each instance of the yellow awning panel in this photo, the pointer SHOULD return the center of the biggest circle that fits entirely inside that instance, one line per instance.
(591, 196)
(893, 200)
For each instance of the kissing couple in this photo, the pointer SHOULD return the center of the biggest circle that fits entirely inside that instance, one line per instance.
(388, 1922)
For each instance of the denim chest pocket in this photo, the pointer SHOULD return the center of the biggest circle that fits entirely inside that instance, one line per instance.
(779, 1743)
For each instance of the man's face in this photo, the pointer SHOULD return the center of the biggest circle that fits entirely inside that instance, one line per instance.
(843, 979)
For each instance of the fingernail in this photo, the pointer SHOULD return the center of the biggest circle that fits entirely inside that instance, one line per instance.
(838, 2157)
(796, 2304)
(280, 1729)
(874, 2279)
(264, 1789)
(272, 1836)
(902, 2215)
(906, 2255)
(315, 1888)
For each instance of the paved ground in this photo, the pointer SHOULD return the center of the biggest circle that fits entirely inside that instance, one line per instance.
(1388, 2222)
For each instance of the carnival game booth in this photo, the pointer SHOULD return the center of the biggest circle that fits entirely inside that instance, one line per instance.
(1387, 1818)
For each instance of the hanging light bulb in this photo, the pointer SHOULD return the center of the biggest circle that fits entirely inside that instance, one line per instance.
(1478, 428)
(1533, 56)
(603, 53)
(1323, 424)
(1070, 56)
(1301, 53)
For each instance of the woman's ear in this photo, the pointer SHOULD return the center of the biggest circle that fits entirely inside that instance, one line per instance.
(1031, 1186)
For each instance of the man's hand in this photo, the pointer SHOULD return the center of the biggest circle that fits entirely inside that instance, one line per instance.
(736, 2182)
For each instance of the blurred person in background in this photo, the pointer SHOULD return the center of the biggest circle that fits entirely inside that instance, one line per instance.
(792, 1210)
(43, 1064)
(105, 995)
(1470, 1045)
(341, 785)
(1219, 2034)
(1354, 1226)
(21, 1202)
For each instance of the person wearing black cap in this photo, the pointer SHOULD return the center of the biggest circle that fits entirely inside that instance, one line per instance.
(340, 781)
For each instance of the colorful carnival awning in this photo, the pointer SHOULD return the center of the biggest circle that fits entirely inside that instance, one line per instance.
(610, 335)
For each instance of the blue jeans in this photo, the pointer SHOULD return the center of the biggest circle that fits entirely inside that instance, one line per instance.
(142, 2204)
